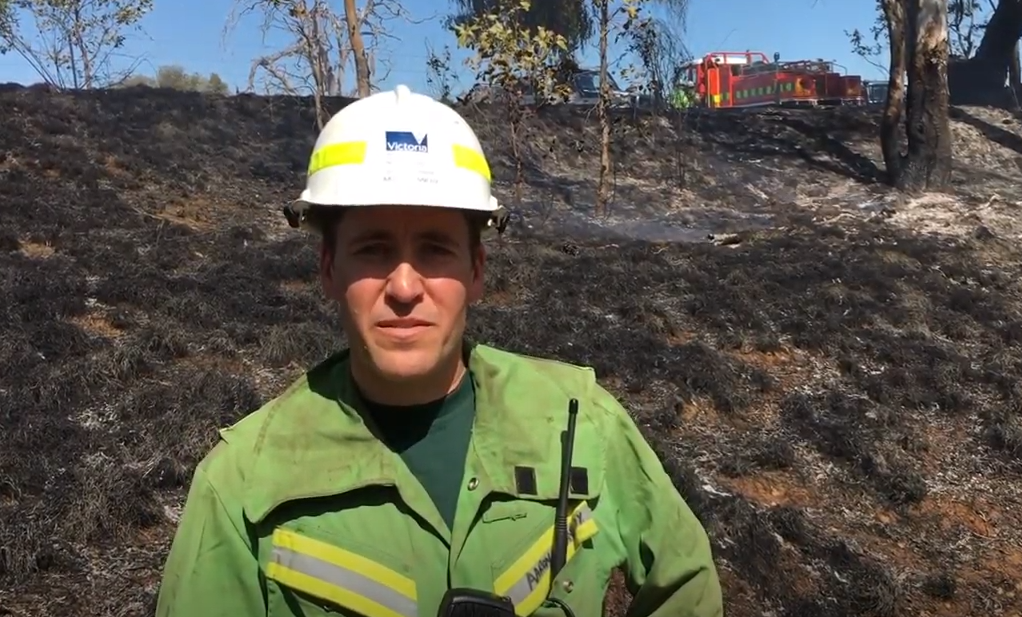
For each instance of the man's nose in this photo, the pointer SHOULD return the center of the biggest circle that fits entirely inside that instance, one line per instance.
(404, 283)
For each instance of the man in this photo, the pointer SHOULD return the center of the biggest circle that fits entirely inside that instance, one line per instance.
(415, 461)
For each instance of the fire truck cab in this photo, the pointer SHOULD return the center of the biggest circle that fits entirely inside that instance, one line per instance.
(707, 77)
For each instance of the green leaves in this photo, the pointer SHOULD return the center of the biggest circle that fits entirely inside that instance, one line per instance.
(571, 19)
(509, 53)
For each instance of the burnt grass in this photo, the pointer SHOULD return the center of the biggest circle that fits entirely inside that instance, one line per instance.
(841, 405)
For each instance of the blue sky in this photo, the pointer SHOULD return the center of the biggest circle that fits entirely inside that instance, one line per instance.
(190, 33)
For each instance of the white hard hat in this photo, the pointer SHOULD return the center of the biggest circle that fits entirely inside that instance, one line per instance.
(398, 148)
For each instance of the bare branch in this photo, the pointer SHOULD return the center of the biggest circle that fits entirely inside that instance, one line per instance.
(269, 64)
(439, 74)
(74, 40)
(661, 54)
(323, 43)
(966, 21)
(375, 21)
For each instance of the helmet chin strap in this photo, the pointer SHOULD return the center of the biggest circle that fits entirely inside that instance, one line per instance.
(295, 216)
(499, 220)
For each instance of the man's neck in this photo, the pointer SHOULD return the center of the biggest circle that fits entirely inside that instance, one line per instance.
(428, 388)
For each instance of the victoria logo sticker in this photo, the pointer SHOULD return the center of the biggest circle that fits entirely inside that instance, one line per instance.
(406, 141)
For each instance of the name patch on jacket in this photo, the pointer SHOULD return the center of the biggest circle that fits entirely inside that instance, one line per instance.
(527, 580)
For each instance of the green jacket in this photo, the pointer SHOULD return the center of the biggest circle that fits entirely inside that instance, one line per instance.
(300, 510)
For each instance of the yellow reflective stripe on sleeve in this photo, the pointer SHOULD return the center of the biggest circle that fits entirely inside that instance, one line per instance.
(344, 153)
(472, 160)
(344, 578)
(527, 581)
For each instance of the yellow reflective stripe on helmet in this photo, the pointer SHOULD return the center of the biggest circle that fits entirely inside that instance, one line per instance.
(344, 578)
(354, 153)
(527, 581)
(472, 160)
(344, 153)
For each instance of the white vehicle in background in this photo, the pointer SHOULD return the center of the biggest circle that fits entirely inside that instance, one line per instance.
(585, 90)
(876, 92)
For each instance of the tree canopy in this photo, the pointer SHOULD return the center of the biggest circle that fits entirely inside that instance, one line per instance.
(176, 77)
(575, 20)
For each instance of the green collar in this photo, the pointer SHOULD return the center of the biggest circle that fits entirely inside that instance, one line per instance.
(313, 443)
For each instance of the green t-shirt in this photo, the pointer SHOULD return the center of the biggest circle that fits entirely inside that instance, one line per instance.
(433, 440)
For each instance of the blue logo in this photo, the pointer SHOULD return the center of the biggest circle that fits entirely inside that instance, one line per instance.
(405, 141)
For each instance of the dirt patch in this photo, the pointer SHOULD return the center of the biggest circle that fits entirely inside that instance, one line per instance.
(36, 250)
(1006, 563)
(194, 213)
(770, 489)
(768, 360)
(979, 518)
(295, 286)
(113, 166)
(97, 324)
(699, 410)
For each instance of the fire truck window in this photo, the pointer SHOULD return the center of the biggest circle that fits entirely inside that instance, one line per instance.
(586, 84)
(688, 78)
(736, 70)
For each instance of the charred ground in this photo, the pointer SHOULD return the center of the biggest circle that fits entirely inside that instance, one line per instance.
(839, 398)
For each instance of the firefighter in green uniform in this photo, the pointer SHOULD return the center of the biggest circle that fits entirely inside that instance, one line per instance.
(681, 98)
(415, 462)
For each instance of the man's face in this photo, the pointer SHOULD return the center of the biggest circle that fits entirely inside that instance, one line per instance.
(403, 277)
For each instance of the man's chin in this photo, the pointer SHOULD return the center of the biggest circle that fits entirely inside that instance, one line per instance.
(403, 364)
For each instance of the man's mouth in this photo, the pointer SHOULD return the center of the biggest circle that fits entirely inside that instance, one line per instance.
(405, 323)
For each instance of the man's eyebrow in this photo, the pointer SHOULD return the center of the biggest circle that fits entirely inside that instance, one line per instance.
(438, 237)
(379, 235)
(372, 235)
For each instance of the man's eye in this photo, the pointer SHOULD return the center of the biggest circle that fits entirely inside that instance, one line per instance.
(439, 249)
(371, 249)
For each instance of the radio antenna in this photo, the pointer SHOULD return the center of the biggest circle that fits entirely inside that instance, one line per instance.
(559, 552)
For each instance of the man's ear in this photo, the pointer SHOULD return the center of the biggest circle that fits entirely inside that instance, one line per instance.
(326, 269)
(478, 285)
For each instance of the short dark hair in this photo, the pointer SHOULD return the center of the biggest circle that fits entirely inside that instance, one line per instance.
(326, 219)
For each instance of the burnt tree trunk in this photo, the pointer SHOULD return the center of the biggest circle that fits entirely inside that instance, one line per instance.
(358, 49)
(927, 162)
(603, 191)
(1002, 32)
(980, 80)
(890, 125)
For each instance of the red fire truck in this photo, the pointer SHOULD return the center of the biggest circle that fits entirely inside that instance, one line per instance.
(729, 79)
